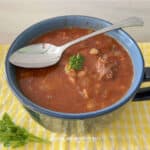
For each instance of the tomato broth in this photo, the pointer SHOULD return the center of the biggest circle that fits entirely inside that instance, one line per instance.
(102, 79)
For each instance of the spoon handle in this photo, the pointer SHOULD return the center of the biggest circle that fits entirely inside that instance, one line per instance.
(129, 22)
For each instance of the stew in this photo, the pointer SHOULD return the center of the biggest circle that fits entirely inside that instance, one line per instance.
(91, 75)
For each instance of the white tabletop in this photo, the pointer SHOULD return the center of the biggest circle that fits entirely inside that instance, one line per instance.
(16, 15)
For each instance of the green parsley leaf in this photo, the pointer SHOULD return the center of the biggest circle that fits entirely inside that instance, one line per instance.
(14, 136)
(76, 62)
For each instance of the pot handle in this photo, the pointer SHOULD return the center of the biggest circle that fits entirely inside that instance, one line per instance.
(144, 93)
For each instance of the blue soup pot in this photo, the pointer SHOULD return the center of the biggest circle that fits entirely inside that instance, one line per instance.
(47, 117)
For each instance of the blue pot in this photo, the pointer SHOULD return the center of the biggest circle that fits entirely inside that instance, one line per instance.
(38, 112)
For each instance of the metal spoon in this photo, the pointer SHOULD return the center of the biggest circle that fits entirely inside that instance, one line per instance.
(45, 54)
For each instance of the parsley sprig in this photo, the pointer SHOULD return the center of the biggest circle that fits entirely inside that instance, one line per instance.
(76, 62)
(14, 136)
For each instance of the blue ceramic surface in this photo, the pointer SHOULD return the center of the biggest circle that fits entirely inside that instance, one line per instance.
(80, 21)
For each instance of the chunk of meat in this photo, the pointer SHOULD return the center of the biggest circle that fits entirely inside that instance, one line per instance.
(109, 74)
(101, 68)
(106, 68)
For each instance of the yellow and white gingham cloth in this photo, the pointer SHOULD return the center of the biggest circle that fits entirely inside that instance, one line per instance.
(131, 131)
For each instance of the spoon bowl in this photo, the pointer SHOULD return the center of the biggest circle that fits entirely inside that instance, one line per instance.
(36, 56)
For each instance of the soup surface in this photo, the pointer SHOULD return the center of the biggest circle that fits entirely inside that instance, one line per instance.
(103, 75)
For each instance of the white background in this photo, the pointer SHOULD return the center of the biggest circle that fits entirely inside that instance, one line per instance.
(16, 15)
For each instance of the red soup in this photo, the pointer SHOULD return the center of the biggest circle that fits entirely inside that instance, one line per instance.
(91, 75)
